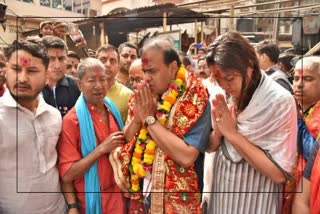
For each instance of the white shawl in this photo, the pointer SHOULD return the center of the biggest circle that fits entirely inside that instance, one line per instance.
(270, 123)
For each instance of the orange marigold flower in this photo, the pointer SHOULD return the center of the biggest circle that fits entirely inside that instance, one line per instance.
(135, 168)
(149, 152)
(138, 149)
(142, 137)
(181, 74)
(143, 131)
(148, 161)
(162, 120)
(174, 92)
(135, 188)
(135, 182)
(151, 145)
(147, 156)
(179, 82)
(170, 98)
(135, 160)
(137, 155)
(166, 106)
(134, 177)
(141, 172)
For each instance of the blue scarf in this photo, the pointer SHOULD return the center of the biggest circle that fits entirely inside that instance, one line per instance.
(305, 140)
(88, 144)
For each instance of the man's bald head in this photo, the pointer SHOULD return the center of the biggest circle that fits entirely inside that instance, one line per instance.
(135, 73)
(170, 54)
(306, 81)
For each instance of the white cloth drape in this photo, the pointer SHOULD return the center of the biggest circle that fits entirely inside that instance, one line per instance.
(264, 122)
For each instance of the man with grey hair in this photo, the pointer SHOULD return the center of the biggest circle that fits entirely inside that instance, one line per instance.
(91, 130)
(61, 91)
(306, 85)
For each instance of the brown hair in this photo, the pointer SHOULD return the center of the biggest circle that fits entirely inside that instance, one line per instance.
(54, 42)
(107, 47)
(128, 44)
(32, 45)
(232, 51)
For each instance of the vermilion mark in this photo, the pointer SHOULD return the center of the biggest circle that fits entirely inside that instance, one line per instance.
(24, 62)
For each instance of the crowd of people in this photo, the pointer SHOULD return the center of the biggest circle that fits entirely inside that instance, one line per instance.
(233, 129)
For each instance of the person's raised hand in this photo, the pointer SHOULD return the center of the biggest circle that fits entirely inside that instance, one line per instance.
(225, 119)
(192, 46)
(146, 104)
(204, 45)
(92, 53)
(59, 29)
(113, 141)
(80, 42)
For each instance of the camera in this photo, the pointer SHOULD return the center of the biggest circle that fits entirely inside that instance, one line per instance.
(198, 45)
(74, 32)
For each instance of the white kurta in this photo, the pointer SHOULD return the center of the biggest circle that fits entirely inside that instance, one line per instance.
(29, 178)
(270, 123)
(213, 89)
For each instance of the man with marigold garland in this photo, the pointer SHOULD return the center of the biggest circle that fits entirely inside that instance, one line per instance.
(167, 128)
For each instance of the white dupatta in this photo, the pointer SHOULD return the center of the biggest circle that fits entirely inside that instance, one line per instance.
(270, 123)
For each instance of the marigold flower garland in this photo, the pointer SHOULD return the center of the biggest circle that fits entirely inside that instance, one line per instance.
(144, 150)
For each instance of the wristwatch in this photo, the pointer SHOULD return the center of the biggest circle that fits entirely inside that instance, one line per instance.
(73, 205)
(149, 120)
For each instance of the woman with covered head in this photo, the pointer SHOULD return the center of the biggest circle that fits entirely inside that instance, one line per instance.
(254, 136)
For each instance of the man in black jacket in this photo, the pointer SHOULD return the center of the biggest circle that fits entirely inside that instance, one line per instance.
(268, 54)
(61, 91)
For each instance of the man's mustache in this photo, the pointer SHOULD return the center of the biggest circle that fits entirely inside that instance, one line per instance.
(20, 85)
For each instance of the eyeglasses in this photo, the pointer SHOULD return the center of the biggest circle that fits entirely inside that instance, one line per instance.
(137, 79)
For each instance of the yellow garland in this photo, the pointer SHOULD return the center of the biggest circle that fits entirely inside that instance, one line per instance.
(169, 98)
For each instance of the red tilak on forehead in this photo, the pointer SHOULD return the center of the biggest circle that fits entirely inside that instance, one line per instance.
(300, 72)
(217, 73)
(24, 62)
(145, 61)
(97, 75)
